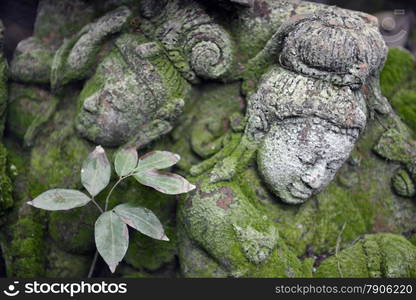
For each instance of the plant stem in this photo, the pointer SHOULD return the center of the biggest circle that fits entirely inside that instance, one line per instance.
(94, 261)
(111, 191)
(96, 204)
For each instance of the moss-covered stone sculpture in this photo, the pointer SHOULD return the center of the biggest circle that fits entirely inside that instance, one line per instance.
(264, 112)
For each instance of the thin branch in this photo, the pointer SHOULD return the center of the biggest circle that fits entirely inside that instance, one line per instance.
(94, 261)
(111, 191)
(96, 204)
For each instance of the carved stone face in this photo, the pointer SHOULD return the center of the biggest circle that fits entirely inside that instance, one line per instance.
(299, 157)
(115, 103)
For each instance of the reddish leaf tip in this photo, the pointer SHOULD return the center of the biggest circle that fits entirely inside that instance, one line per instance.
(191, 187)
(99, 149)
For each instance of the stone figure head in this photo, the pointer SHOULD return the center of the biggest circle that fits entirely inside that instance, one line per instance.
(128, 93)
(309, 111)
(138, 90)
(310, 134)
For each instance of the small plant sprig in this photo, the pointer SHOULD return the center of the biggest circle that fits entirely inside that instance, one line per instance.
(111, 231)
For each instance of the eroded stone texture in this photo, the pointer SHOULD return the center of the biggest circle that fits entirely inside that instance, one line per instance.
(378, 255)
(304, 120)
(32, 59)
(307, 169)
(197, 46)
(75, 58)
(326, 86)
(131, 67)
(340, 45)
(134, 95)
(30, 107)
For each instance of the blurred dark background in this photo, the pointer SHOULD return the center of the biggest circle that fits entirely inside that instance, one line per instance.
(397, 19)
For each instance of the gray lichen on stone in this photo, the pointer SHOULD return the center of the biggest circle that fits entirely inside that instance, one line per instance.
(341, 46)
(55, 21)
(74, 59)
(133, 96)
(311, 99)
(32, 61)
(256, 245)
(311, 109)
(309, 128)
(196, 45)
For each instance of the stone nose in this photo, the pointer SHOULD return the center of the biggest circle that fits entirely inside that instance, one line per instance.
(91, 103)
(315, 175)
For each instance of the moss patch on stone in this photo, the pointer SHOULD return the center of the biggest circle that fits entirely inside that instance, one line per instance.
(26, 250)
(61, 264)
(6, 188)
(404, 103)
(399, 66)
(378, 255)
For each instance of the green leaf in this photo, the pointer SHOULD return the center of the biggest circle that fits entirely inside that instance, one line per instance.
(157, 160)
(111, 238)
(126, 161)
(166, 183)
(96, 171)
(60, 199)
(141, 219)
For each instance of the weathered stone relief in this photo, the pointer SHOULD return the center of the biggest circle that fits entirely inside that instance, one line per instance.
(305, 116)
(277, 105)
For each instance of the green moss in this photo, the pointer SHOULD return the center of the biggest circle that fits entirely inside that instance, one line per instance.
(412, 238)
(404, 103)
(358, 201)
(204, 122)
(63, 20)
(6, 188)
(176, 85)
(57, 157)
(398, 68)
(26, 251)
(29, 108)
(236, 232)
(73, 230)
(92, 86)
(377, 255)
(32, 65)
(57, 164)
(65, 265)
(395, 145)
(150, 254)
